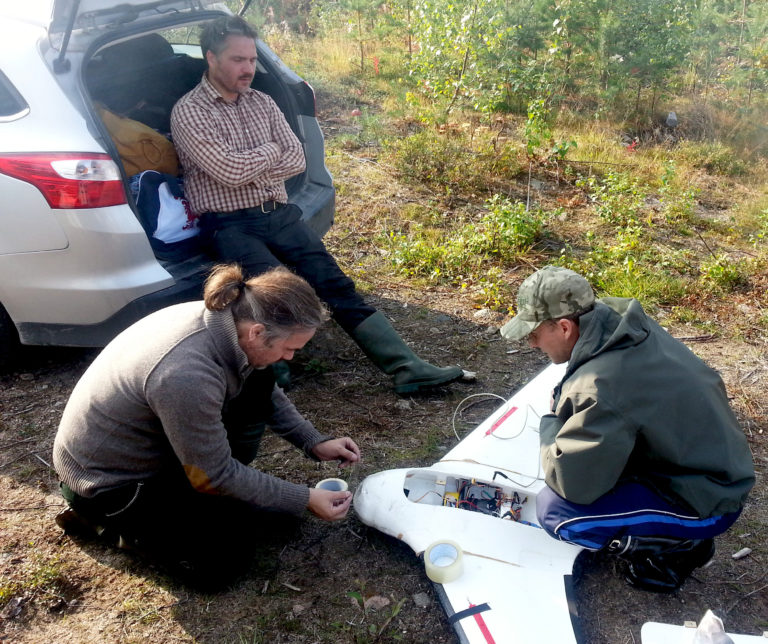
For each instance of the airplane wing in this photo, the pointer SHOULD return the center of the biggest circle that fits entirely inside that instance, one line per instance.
(500, 578)
(657, 633)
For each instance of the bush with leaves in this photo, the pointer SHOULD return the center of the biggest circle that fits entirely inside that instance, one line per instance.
(618, 197)
(453, 163)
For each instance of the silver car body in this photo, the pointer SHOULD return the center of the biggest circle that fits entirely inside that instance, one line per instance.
(77, 276)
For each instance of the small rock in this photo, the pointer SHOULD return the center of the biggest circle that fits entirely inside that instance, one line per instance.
(421, 600)
(482, 314)
(741, 553)
(376, 602)
(404, 405)
(491, 330)
(12, 608)
(298, 609)
(26, 376)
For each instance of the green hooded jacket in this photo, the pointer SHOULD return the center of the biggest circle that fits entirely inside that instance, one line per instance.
(636, 404)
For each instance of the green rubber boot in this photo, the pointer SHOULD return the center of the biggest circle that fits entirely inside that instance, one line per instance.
(386, 349)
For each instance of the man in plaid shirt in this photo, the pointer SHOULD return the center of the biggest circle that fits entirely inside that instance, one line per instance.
(236, 150)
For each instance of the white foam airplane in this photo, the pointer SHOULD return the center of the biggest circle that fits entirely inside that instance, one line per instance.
(472, 516)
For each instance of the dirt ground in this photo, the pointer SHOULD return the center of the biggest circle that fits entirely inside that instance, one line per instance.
(343, 582)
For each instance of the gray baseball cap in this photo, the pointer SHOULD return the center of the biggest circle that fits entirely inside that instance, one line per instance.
(550, 293)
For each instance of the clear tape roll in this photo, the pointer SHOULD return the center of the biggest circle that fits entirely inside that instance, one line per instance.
(334, 485)
(444, 561)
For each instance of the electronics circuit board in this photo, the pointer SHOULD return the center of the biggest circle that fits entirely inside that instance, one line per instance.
(469, 494)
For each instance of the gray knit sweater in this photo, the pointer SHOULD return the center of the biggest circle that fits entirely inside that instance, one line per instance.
(155, 396)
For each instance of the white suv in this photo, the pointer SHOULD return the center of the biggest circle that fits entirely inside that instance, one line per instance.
(76, 265)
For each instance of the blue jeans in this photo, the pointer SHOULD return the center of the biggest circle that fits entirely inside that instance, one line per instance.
(259, 241)
(628, 509)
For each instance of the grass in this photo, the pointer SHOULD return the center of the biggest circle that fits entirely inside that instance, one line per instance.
(38, 577)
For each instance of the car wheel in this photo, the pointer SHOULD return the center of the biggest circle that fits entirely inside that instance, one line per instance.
(9, 340)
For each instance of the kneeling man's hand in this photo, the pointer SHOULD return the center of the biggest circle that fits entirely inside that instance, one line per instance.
(328, 505)
(340, 449)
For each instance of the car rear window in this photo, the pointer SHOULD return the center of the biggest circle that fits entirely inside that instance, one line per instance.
(11, 102)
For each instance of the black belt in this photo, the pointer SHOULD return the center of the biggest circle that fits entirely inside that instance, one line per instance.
(267, 206)
(261, 209)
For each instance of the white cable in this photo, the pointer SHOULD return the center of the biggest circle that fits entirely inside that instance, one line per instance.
(528, 409)
(456, 411)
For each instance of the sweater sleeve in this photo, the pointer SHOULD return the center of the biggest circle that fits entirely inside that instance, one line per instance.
(585, 447)
(189, 409)
(289, 424)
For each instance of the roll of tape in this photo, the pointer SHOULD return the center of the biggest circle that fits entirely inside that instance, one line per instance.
(334, 485)
(443, 561)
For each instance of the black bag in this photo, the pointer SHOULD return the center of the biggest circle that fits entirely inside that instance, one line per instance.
(165, 214)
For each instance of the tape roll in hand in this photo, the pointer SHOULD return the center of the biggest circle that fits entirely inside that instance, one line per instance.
(443, 561)
(334, 485)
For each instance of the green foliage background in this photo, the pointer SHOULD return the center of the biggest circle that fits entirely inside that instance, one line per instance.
(480, 101)
(601, 55)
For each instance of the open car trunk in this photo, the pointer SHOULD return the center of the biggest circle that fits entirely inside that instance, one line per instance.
(141, 79)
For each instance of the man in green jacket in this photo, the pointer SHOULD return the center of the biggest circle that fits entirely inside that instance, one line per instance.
(642, 455)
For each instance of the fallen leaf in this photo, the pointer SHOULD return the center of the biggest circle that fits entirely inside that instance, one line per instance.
(376, 602)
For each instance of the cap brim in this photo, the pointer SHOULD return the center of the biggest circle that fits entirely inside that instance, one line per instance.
(517, 328)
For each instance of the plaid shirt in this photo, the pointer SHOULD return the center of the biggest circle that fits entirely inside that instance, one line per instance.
(234, 154)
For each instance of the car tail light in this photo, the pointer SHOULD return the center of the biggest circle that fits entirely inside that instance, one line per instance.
(69, 179)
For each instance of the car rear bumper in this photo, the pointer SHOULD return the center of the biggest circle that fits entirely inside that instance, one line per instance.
(54, 298)
(99, 334)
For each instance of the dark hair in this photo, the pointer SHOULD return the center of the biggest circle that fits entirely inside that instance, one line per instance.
(214, 34)
(573, 317)
(280, 300)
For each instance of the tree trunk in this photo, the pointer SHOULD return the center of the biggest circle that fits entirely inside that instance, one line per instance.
(465, 62)
(410, 30)
(360, 38)
(741, 30)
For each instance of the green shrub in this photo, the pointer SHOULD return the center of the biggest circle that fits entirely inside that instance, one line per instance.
(760, 235)
(714, 157)
(679, 202)
(453, 163)
(470, 251)
(504, 231)
(723, 273)
(619, 197)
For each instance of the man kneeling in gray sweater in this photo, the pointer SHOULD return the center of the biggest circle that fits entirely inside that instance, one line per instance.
(154, 444)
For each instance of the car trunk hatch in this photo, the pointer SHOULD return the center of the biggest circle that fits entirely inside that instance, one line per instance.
(71, 17)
